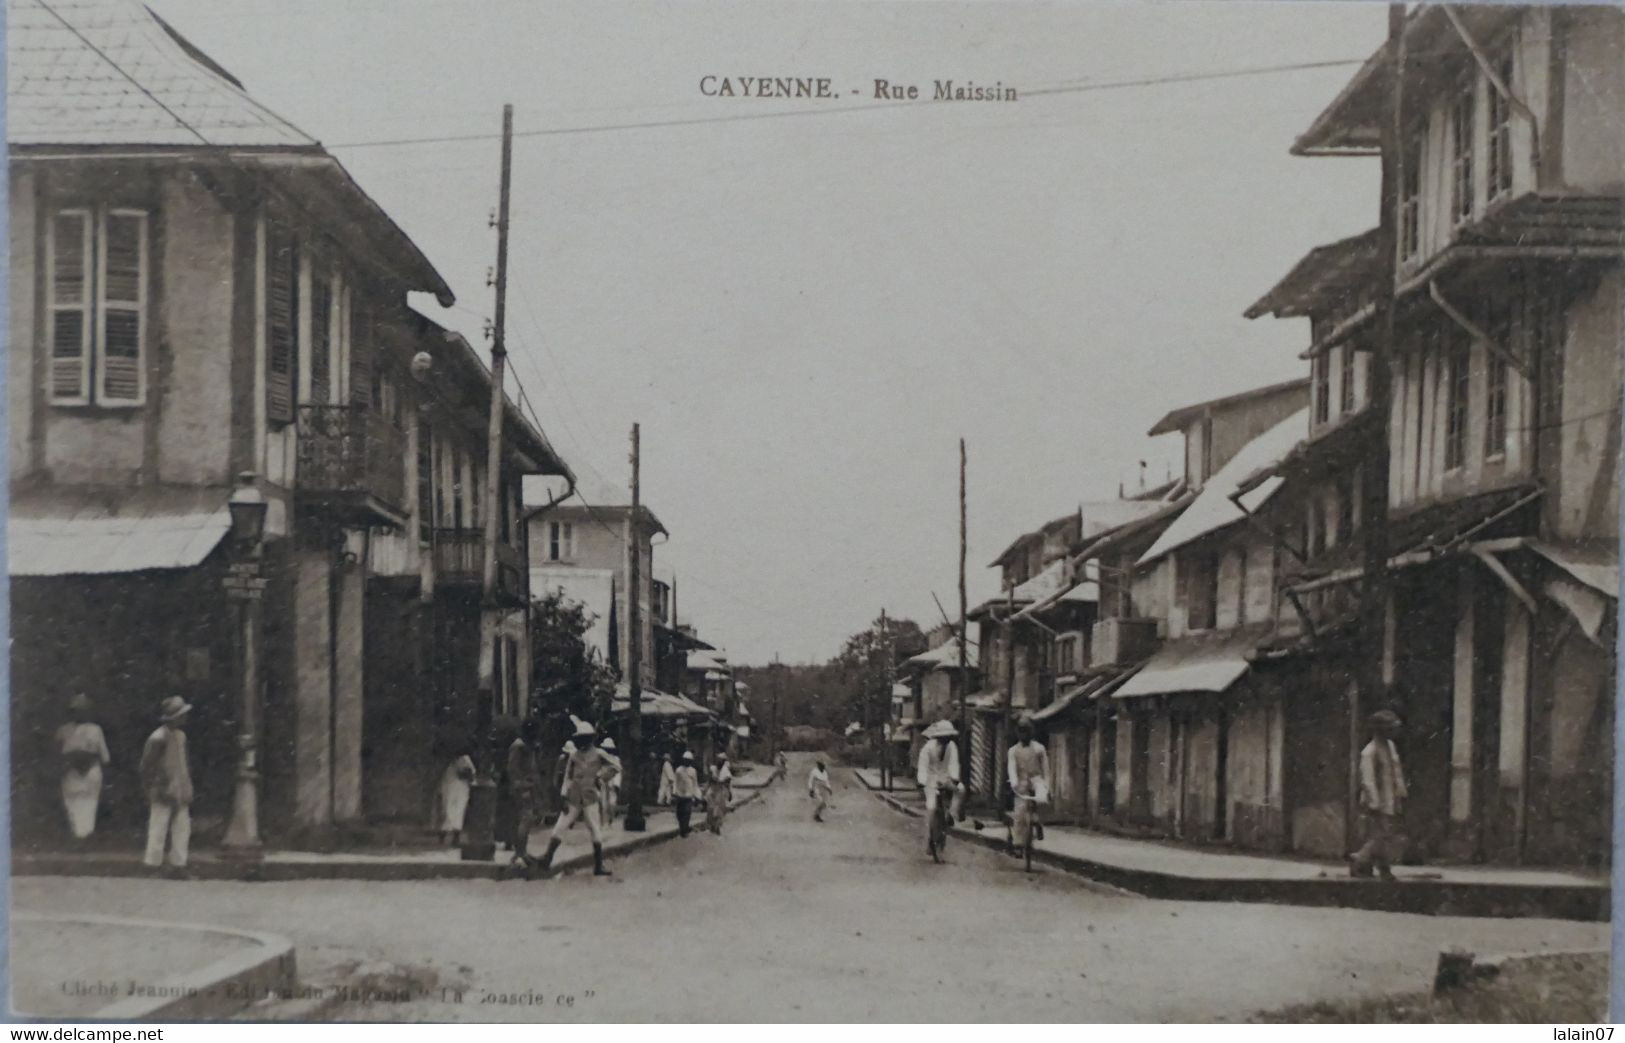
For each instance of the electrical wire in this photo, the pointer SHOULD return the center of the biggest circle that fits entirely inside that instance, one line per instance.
(1082, 88)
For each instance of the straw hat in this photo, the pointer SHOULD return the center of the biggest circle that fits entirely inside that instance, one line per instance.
(173, 709)
(584, 729)
(941, 730)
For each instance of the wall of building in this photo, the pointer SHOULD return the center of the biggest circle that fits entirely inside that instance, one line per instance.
(193, 393)
(1588, 501)
(1593, 97)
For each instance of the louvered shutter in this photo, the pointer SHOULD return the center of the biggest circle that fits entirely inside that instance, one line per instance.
(361, 357)
(121, 374)
(321, 337)
(69, 247)
(281, 324)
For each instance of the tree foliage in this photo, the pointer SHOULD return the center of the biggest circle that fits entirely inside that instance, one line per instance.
(566, 675)
(835, 693)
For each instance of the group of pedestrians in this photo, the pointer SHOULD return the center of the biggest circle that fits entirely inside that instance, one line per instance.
(166, 779)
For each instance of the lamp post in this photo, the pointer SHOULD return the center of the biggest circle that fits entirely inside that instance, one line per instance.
(244, 585)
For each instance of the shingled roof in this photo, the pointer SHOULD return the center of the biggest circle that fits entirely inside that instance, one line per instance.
(97, 77)
(110, 72)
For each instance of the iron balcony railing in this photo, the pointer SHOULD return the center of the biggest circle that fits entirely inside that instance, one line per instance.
(459, 560)
(349, 452)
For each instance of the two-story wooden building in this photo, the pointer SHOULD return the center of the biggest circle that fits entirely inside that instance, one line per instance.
(198, 290)
(1503, 435)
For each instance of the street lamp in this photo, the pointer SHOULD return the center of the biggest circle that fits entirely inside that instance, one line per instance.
(244, 585)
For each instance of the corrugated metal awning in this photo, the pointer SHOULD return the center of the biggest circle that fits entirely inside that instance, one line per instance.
(55, 531)
(1201, 663)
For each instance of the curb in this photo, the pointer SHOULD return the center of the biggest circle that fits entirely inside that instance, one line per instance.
(1426, 897)
(215, 991)
(336, 869)
(1458, 968)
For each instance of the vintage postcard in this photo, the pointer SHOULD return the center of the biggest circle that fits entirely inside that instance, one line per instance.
(838, 511)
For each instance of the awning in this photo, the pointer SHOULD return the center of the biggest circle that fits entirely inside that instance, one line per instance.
(654, 703)
(986, 702)
(1064, 701)
(55, 531)
(1596, 566)
(1200, 663)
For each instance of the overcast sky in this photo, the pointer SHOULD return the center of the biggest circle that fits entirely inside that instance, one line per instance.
(806, 313)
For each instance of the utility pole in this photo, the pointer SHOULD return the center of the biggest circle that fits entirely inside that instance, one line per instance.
(1371, 690)
(479, 839)
(778, 686)
(964, 610)
(885, 705)
(634, 653)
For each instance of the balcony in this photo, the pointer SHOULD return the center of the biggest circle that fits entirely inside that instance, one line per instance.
(459, 561)
(352, 463)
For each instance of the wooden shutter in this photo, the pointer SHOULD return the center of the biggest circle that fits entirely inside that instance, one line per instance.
(281, 324)
(321, 337)
(121, 336)
(361, 357)
(68, 249)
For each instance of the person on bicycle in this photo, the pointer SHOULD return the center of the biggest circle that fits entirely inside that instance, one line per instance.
(1028, 772)
(939, 771)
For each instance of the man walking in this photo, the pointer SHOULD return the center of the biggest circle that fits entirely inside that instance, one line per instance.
(585, 776)
(524, 787)
(1382, 798)
(819, 789)
(685, 790)
(166, 778)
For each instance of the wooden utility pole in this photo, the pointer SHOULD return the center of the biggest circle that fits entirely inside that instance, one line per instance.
(778, 687)
(479, 839)
(885, 705)
(964, 611)
(1370, 693)
(634, 653)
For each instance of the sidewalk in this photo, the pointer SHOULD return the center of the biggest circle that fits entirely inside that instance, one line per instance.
(1158, 869)
(424, 863)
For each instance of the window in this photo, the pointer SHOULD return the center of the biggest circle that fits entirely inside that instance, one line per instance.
(457, 475)
(1500, 137)
(1461, 151)
(561, 541)
(1241, 585)
(1345, 376)
(281, 323)
(1495, 398)
(321, 337)
(1348, 491)
(425, 480)
(1066, 655)
(1201, 591)
(1410, 200)
(1457, 374)
(510, 677)
(1547, 334)
(96, 265)
(1323, 391)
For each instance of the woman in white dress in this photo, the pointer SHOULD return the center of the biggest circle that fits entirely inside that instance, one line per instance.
(83, 749)
(455, 783)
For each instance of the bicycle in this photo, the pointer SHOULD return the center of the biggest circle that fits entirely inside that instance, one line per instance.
(938, 838)
(1025, 824)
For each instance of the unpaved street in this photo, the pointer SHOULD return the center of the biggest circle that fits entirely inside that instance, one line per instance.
(784, 919)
